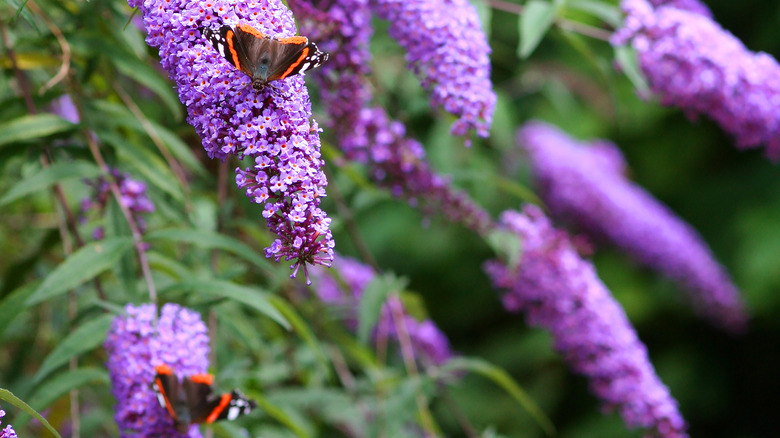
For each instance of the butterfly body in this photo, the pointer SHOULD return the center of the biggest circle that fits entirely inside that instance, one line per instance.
(192, 400)
(261, 57)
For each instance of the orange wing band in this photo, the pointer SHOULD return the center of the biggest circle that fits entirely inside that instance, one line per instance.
(296, 63)
(167, 400)
(249, 29)
(294, 40)
(223, 403)
(233, 53)
(163, 369)
(208, 379)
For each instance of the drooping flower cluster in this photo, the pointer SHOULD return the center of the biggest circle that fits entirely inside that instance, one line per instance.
(271, 127)
(688, 5)
(586, 185)
(428, 342)
(561, 292)
(135, 345)
(693, 63)
(368, 135)
(8, 430)
(448, 50)
(133, 193)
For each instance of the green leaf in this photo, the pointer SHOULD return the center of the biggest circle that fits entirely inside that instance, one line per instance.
(607, 12)
(507, 245)
(13, 304)
(505, 381)
(277, 414)
(49, 176)
(51, 390)
(147, 76)
(30, 127)
(535, 21)
(485, 13)
(303, 330)
(374, 297)
(211, 240)
(86, 337)
(626, 58)
(24, 12)
(8, 396)
(81, 266)
(250, 296)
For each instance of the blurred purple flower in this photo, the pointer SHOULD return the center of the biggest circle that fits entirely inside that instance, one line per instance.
(693, 63)
(369, 136)
(135, 346)
(446, 47)
(688, 5)
(8, 430)
(64, 107)
(559, 291)
(586, 184)
(133, 197)
(427, 340)
(272, 127)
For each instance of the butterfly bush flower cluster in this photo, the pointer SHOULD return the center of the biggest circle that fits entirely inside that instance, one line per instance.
(271, 129)
(693, 63)
(134, 198)
(561, 292)
(586, 184)
(135, 345)
(446, 47)
(368, 135)
(428, 342)
(8, 430)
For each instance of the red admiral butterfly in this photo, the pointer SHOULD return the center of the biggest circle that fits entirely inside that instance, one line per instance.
(261, 57)
(193, 400)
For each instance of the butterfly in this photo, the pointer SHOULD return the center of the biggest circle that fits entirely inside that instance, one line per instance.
(192, 400)
(263, 58)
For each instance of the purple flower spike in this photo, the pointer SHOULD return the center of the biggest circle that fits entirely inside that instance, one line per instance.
(135, 346)
(272, 127)
(446, 47)
(687, 5)
(428, 342)
(694, 64)
(560, 292)
(8, 430)
(587, 186)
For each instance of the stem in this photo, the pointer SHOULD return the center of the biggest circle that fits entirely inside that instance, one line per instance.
(65, 66)
(407, 352)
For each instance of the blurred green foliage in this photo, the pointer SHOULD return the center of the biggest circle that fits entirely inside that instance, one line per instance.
(726, 386)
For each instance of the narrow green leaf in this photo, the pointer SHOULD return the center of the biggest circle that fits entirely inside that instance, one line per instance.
(610, 13)
(250, 296)
(30, 127)
(505, 381)
(626, 58)
(277, 414)
(49, 176)
(51, 390)
(303, 330)
(19, 10)
(211, 240)
(485, 13)
(8, 396)
(535, 21)
(13, 304)
(374, 297)
(150, 78)
(81, 266)
(24, 12)
(86, 337)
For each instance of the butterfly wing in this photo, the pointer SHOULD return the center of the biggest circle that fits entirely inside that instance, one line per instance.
(166, 386)
(294, 55)
(207, 407)
(230, 45)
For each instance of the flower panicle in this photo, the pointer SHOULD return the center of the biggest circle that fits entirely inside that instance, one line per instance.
(692, 63)
(135, 345)
(133, 197)
(446, 47)
(585, 184)
(271, 129)
(8, 431)
(560, 292)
